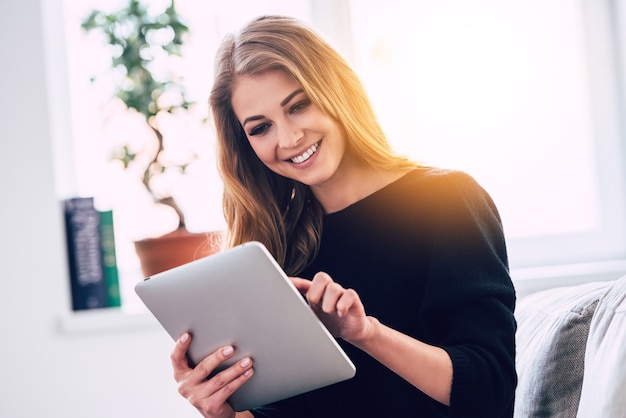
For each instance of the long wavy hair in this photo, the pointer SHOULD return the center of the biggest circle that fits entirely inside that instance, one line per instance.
(259, 204)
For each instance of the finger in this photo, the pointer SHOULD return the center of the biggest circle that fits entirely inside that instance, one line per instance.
(207, 366)
(332, 294)
(218, 389)
(224, 383)
(303, 285)
(179, 356)
(315, 293)
(196, 377)
(348, 299)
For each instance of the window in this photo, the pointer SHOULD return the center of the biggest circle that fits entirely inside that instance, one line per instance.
(523, 96)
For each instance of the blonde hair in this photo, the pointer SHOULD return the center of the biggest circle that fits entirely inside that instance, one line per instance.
(259, 204)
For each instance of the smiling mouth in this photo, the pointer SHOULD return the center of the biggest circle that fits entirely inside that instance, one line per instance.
(306, 154)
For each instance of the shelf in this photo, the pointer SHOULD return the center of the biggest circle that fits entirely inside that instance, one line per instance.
(100, 321)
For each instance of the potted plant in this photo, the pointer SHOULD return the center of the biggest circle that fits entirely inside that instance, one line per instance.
(136, 38)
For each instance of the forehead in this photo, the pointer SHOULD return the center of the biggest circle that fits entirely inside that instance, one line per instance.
(258, 93)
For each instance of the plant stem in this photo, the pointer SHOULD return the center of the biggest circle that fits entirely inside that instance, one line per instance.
(147, 176)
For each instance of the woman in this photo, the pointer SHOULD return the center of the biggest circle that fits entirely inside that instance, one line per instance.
(405, 264)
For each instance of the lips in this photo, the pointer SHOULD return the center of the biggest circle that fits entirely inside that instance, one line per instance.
(306, 154)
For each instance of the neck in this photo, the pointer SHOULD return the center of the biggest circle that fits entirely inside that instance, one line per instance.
(352, 185)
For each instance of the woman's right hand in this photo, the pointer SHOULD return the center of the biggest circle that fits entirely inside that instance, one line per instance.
(209, 395)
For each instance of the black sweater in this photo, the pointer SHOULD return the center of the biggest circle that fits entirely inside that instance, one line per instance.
(427, 256)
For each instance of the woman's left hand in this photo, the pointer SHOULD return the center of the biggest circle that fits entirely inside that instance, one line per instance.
(339, 309)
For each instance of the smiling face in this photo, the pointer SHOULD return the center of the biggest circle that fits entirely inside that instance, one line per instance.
(289, 133)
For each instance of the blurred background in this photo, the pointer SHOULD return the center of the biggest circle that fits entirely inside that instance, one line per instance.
(526, 96)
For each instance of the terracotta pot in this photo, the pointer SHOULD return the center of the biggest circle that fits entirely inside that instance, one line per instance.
(174, 249)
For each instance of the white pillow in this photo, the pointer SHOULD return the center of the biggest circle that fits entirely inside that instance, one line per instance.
(604, 385)
(551, 337)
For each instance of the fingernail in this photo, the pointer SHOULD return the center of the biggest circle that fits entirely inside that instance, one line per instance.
(245, 362)
(227, 351)
(184, 337)
(248, 372)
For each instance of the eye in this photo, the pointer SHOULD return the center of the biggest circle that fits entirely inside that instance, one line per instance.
(260, 129)
(299, 106)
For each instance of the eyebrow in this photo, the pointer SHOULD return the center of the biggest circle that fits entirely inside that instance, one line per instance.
(284, 102)
(291, 96)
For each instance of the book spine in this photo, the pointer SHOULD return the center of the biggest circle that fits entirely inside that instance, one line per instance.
(87, 282)
(109, 258)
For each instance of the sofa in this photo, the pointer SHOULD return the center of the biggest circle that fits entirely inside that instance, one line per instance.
(571, 352)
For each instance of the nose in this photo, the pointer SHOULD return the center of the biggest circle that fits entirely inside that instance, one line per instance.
(289, 135)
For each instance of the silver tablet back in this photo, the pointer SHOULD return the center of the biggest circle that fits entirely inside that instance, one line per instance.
(242, 297)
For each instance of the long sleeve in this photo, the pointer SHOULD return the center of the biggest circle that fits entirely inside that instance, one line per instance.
(469, 301)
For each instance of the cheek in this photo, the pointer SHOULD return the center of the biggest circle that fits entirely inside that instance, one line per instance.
(262, 150)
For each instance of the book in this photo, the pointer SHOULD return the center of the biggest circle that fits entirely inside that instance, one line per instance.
(109, 258)
(84, 249)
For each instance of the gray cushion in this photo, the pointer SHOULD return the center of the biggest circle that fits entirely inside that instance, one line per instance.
(553, 326)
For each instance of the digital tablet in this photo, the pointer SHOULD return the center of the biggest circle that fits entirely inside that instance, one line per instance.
(242, 297)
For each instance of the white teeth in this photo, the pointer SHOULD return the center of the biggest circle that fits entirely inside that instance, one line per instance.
(306, 155)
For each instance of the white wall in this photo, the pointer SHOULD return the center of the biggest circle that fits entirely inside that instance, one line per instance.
(45, 372)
